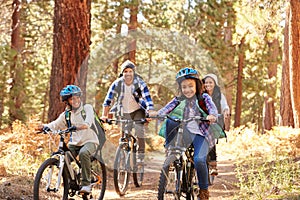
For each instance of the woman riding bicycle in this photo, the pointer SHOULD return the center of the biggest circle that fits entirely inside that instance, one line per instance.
(192, 99)
(83, 141)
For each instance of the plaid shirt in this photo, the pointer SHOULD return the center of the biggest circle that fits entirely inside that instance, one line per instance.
(145, 100)
(204, 127)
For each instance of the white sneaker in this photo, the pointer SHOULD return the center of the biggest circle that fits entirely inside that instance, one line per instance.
(86, 189)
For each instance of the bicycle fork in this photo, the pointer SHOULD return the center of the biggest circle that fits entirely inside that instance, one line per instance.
(49, 175)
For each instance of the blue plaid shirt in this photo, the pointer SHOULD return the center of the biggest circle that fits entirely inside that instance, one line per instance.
(145, 100)
(204, 127)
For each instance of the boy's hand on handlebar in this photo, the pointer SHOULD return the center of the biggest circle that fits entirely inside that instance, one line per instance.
(104, 118)
(211, 118)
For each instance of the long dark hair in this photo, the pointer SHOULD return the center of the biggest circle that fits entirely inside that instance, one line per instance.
(216, 95)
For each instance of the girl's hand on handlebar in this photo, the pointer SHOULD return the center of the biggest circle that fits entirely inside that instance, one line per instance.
(152, 113)
(211, 118)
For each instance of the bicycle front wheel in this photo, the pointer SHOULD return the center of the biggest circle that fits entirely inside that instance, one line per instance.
(45, 183)
(121, 170)
(169, 184)
(138, 171)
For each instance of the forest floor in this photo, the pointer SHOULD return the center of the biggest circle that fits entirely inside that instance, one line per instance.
(20, 187)
(20, 157)
(224, 186)
(13, 187)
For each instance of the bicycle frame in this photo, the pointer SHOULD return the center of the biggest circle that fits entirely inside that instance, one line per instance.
(65, 157)
(126, 162)
(181, 158)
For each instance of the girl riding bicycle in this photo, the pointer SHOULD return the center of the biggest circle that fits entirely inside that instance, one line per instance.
(186, 105)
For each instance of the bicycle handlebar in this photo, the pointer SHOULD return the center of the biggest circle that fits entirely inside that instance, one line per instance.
(126, 121)
(203, 119)
(59, 132)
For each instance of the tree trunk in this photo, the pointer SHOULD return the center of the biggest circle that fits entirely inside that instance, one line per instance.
(238, 105)
(294, 60)
(70, 50)
(228, 75)
(286, 111)
(131, 27)
(269, 115)
(17, 94)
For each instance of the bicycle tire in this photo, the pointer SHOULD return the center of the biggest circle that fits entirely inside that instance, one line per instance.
(138, 170)
(98, 180)
(211, 178)
(39, 189)
(169, 185)
(193, 186)
(121, 170)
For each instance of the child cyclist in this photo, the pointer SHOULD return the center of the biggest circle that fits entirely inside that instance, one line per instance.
(83, 141)
(190, 99)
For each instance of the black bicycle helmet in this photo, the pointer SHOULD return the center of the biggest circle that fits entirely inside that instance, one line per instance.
(186, 73)
(69, 91)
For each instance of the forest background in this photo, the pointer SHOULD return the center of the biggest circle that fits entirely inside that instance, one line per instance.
(46, 45)
(252, 46)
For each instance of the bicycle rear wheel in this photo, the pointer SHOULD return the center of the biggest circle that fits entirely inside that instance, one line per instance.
(121, 170)
(169, 186)
(98, 179)
(193, 192)
(45, 182)
(211, 178)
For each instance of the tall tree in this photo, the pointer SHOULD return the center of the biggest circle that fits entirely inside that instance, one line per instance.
(269, 115)
(292, 75)
(294, 59)
(286, 111)
(239, 90)
(70, 49)
(133, 24)
(17, 94)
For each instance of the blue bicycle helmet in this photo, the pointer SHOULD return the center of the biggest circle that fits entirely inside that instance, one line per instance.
(69, 91)
(186, 73)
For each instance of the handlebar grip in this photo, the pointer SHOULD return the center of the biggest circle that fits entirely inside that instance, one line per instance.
(109, 121)
(72, 128)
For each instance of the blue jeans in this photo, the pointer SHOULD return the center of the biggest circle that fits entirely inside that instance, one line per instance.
(201, 150)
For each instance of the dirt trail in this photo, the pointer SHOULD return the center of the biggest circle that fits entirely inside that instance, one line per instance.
(20, 187)
(223, 188)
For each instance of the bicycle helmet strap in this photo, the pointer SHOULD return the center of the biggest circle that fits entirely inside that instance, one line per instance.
(68, 118)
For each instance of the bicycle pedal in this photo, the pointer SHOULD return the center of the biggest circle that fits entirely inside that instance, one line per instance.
(83, 193)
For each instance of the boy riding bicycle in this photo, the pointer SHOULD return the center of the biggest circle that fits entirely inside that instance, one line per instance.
(84, 141)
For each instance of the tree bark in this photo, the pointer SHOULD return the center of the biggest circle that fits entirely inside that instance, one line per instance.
(294, 61)
(17, 94)
(228, 75)
(133, 24)
(70, 50)
(286, 112)
(238, 105)
(269, 115)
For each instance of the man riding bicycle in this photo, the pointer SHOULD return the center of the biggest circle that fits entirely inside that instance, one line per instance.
(133, 101)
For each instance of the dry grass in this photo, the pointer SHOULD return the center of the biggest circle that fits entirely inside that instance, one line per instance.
(267, 165)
